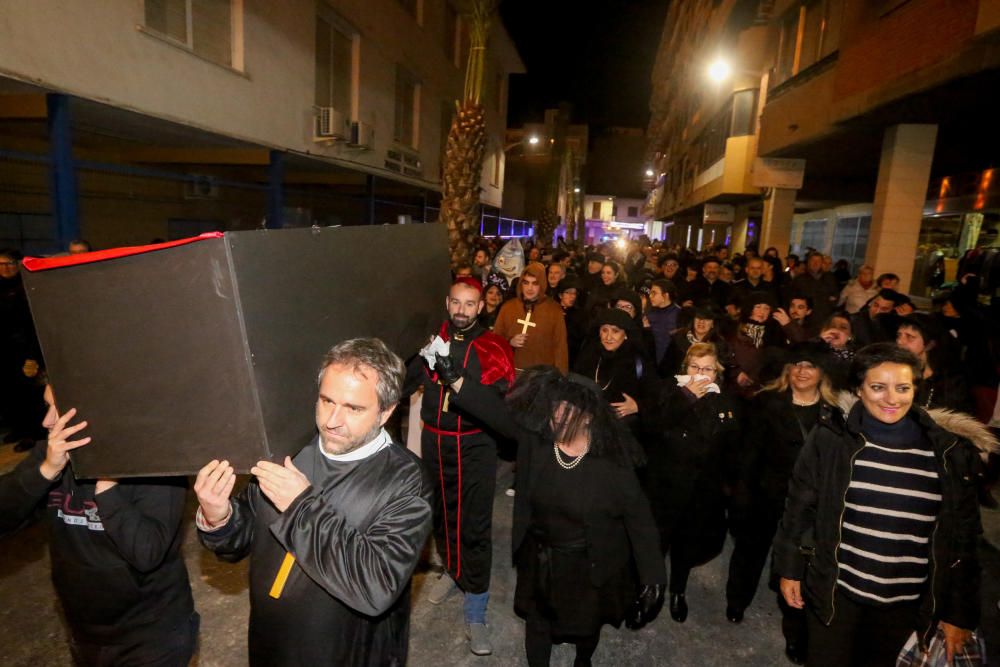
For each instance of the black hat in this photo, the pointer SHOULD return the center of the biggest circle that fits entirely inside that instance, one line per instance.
(614, 317)
(569, 282)
(706, 312)
(815, 352)
(759, 296)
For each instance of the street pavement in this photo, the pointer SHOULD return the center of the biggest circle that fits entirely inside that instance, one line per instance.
(32, 633)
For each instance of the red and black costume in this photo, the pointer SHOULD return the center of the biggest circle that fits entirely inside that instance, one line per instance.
(459, 455)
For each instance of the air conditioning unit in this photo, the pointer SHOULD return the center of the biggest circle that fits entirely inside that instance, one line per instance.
(362, 135)
(330, 125)
(200, 187)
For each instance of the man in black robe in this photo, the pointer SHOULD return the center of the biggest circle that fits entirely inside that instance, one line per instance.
(461, 457)
(335, 533)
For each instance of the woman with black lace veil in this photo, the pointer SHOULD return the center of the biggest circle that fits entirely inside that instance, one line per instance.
(585, 559)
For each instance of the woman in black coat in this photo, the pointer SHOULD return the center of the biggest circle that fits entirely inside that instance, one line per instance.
(693, 437)
(778, 421)
(618, 366)
(880, 531)
(577, 553)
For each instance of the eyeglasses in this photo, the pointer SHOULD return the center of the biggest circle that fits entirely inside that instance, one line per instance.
(703, 370)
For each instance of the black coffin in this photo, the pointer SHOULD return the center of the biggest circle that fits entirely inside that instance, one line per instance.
(210, 349)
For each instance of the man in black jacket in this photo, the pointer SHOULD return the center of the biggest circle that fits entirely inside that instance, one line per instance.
(335, 533)
(115, 549)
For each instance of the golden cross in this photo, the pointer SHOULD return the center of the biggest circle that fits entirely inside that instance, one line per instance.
(526, 322)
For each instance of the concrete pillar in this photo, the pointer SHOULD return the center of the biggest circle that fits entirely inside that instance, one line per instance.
(903, 174)
(776, 225)
(739, 242)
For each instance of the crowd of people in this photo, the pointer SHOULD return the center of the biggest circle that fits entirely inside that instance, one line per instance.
(658, 400)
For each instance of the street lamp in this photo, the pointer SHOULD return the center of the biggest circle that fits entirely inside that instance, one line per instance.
(649, 173)
(532, 140)
(719, 70)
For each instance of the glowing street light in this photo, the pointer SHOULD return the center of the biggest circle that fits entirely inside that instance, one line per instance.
(719, 70)
(576, 191)
(533, 139)
(649, 173)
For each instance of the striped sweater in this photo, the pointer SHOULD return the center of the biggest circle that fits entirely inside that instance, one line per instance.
(890, 508)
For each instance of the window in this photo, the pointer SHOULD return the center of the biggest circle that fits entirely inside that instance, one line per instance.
(633, 211)
(412, 7)
(814, 235)
(203, 26)
(407, 106)
(614, 211)
(595, 210)
(744, 113)
(497, 167)
(498, 82)
(850, 240)
(334, 65)
(451, 36)
(809, 33)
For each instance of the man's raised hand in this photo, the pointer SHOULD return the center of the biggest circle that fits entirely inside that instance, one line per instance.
(213, 486)
(281, 484)
(59, 445)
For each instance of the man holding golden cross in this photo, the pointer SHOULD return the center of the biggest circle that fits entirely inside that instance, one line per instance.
(534, 324)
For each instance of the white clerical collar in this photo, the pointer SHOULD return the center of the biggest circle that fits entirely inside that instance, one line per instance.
(377, 444)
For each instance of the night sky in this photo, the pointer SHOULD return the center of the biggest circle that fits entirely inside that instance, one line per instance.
(596, 55)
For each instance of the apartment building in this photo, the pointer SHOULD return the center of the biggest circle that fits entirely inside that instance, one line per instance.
(871, 137)
(127, 120)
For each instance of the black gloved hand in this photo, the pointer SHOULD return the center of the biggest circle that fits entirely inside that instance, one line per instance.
(646, 606)
(448, 371)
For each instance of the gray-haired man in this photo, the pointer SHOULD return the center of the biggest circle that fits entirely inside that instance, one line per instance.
(334, 533)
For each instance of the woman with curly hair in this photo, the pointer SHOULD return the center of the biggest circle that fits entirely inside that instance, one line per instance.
(575, 554)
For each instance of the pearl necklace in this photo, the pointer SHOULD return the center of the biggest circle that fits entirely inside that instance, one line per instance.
(563, 464)
(805, 404)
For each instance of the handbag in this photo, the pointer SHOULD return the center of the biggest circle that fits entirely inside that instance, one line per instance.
(972, 654)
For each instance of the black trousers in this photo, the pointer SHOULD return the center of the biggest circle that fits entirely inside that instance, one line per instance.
(860, 635)
(463, 473)
(172, 648)
(752, 536)
(538, 642)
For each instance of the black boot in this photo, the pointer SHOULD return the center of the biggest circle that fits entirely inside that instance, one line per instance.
(678, 607)
(734, 614)
(796, 651)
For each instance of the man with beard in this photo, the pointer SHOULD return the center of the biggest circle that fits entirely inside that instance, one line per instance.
(708, 289)
(534, 324)
(460, 457)
(334, 533)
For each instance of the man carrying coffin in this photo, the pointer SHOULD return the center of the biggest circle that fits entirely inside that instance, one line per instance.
(460, 457)
(115, 548)
(334, 533)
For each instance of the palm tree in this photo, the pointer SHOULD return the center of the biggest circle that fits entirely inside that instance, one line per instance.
(466, 145)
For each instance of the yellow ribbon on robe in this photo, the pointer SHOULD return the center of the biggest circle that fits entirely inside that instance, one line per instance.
(282, 576)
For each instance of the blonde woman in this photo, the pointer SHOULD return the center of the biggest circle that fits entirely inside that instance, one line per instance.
(782, 415)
